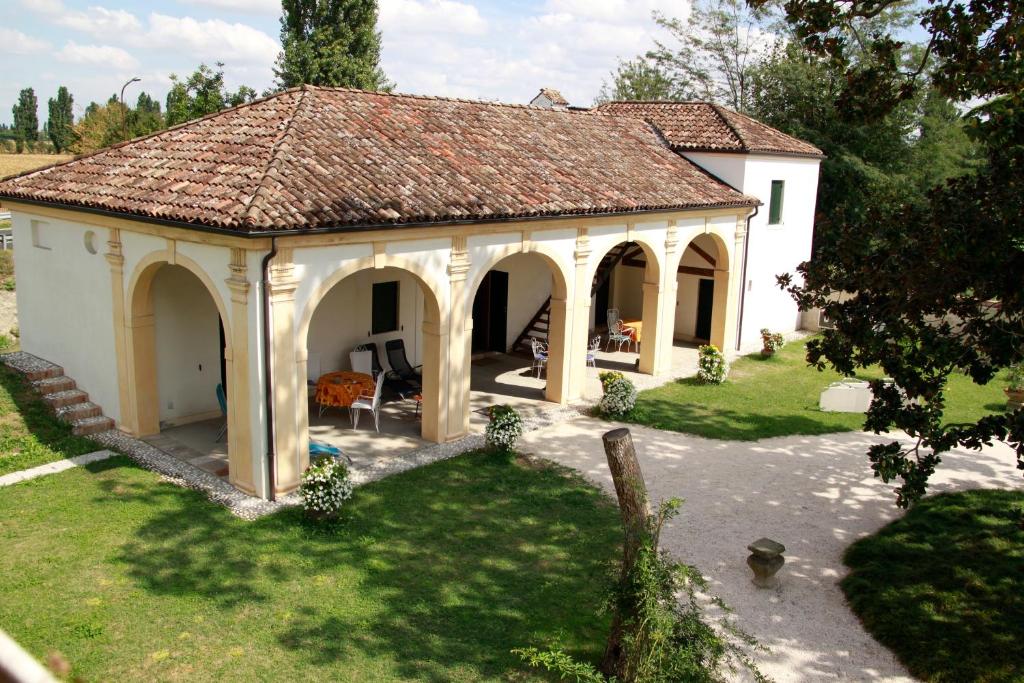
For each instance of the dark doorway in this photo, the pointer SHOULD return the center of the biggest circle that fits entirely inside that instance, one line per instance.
(705, 304)
(601, 300)
(223, 362)
(490, 313)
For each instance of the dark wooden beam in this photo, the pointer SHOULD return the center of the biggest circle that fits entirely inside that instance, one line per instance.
(703, 272)
(703, 254)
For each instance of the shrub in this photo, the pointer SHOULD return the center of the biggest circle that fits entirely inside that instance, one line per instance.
(619, 394)
(1016, 377)
(504, 429)
(325, 487)
(712, 367)
(771, 341)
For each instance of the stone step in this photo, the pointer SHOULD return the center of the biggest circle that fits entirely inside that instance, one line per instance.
(61, 399)
(52, 385)
(91, 425)
(32, 367)
(79, 411)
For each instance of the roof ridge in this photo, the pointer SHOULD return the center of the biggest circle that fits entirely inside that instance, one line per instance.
(261, 187)
(147, 136)
(704, 102)
(739, 138)
(440, 98)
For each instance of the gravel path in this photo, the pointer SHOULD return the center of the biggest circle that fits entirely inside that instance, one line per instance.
(815, 495)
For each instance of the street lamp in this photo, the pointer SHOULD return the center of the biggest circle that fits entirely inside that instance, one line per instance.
(124, 110)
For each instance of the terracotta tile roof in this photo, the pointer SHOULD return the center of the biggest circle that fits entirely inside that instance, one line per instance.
(323, 158)
(700, 126)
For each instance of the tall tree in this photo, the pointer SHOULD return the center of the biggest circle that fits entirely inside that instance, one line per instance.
(935, 286)
(26, 119)
(60, 125)
(202, 93)
(330, 43)
(146, 117)
(714, 50)
(638, 80)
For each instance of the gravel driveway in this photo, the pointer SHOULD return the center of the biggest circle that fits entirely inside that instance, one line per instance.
(816, 495)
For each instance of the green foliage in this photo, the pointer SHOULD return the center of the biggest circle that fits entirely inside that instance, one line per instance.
(503, 429)
(26, 119)
(666, 636)
(638, 79)
(330, 43)
(711, 365)
(202, 93)
(713, 52)
(943, 587)
(1015, 377)
(934, 284)
(60, 125)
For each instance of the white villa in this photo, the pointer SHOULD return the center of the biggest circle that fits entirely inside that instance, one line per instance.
(255, 248)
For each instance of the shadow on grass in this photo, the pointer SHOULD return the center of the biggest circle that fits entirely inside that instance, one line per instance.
(439, 571)
(944, 586)
(30, 434)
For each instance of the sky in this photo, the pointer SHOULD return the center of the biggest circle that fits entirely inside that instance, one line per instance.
(480, 49)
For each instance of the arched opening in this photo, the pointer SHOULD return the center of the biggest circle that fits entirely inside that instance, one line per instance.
(518, 340)
(624, 311)
(360, 324)
(179, 348)
(702, 290)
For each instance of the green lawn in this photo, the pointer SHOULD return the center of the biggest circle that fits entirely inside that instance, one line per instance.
(434, 575)
(29, 433)
(943, 587)
(777, 397)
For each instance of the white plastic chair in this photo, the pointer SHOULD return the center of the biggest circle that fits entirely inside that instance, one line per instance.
(540, 355)
(595, 346)
(362, 361)
(370, 403)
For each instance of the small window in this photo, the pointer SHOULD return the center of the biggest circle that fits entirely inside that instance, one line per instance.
(39, 237)
(385, 307)
(775, 207)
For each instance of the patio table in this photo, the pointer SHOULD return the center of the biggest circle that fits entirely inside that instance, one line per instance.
(634, 328)
(341, 389)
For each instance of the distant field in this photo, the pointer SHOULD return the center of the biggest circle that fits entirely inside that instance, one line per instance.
(11, 164)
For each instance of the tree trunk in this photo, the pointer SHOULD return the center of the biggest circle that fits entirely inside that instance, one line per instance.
(636, 513)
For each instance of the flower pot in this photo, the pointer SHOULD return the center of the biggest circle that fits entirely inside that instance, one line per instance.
(767, 353)
(1014, 398)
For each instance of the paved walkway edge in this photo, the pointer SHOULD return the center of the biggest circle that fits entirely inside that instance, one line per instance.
(54, 467)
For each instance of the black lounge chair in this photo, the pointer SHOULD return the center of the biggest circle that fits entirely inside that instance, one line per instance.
(396, 385)
(400, 366)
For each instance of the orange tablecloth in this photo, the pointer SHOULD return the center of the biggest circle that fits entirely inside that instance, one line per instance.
(634, 328)
(341, 389)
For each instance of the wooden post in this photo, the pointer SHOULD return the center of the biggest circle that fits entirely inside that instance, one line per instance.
(635, 509)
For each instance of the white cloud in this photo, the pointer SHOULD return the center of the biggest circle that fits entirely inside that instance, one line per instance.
(430, 16)
(105, 55)
(249, 6)
(209, 40)
(17, 43)
(100, 22)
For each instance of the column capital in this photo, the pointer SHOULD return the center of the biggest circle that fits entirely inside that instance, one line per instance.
(459, 263)
(583, 250)
(238, 282)
(115, 255)
(671, 237)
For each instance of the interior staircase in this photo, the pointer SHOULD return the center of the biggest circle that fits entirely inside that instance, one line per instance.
(71, 404)
(540, 323)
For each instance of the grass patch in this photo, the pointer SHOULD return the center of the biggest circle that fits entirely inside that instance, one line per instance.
(778, 396)
(30, 434)
(6, 268)
(11, 164)
(943, 587)
(434, 574)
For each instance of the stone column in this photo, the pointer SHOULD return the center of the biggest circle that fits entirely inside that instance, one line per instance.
(580, 328)
(291, 459)
(115, 257)
(651, 340)
(669, 297)
(727, 288)
(560, 357)
(436, 403)
(458, 349)
(243, 461)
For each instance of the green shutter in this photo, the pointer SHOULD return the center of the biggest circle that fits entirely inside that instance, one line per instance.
(775, 208)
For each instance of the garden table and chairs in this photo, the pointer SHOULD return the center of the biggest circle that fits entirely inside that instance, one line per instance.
(341, 389)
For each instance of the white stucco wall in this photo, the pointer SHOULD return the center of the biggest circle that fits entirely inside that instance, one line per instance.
(529, 285)
(63, 294)
(773, 249)
(187, 346)
(343, 320)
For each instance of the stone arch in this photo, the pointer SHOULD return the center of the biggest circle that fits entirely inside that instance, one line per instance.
(721, 275)
(434, 347)
(142, 414)
(560, 316)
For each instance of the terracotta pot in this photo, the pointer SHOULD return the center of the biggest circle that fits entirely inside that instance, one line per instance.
(1015, 397)
(767, 353)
